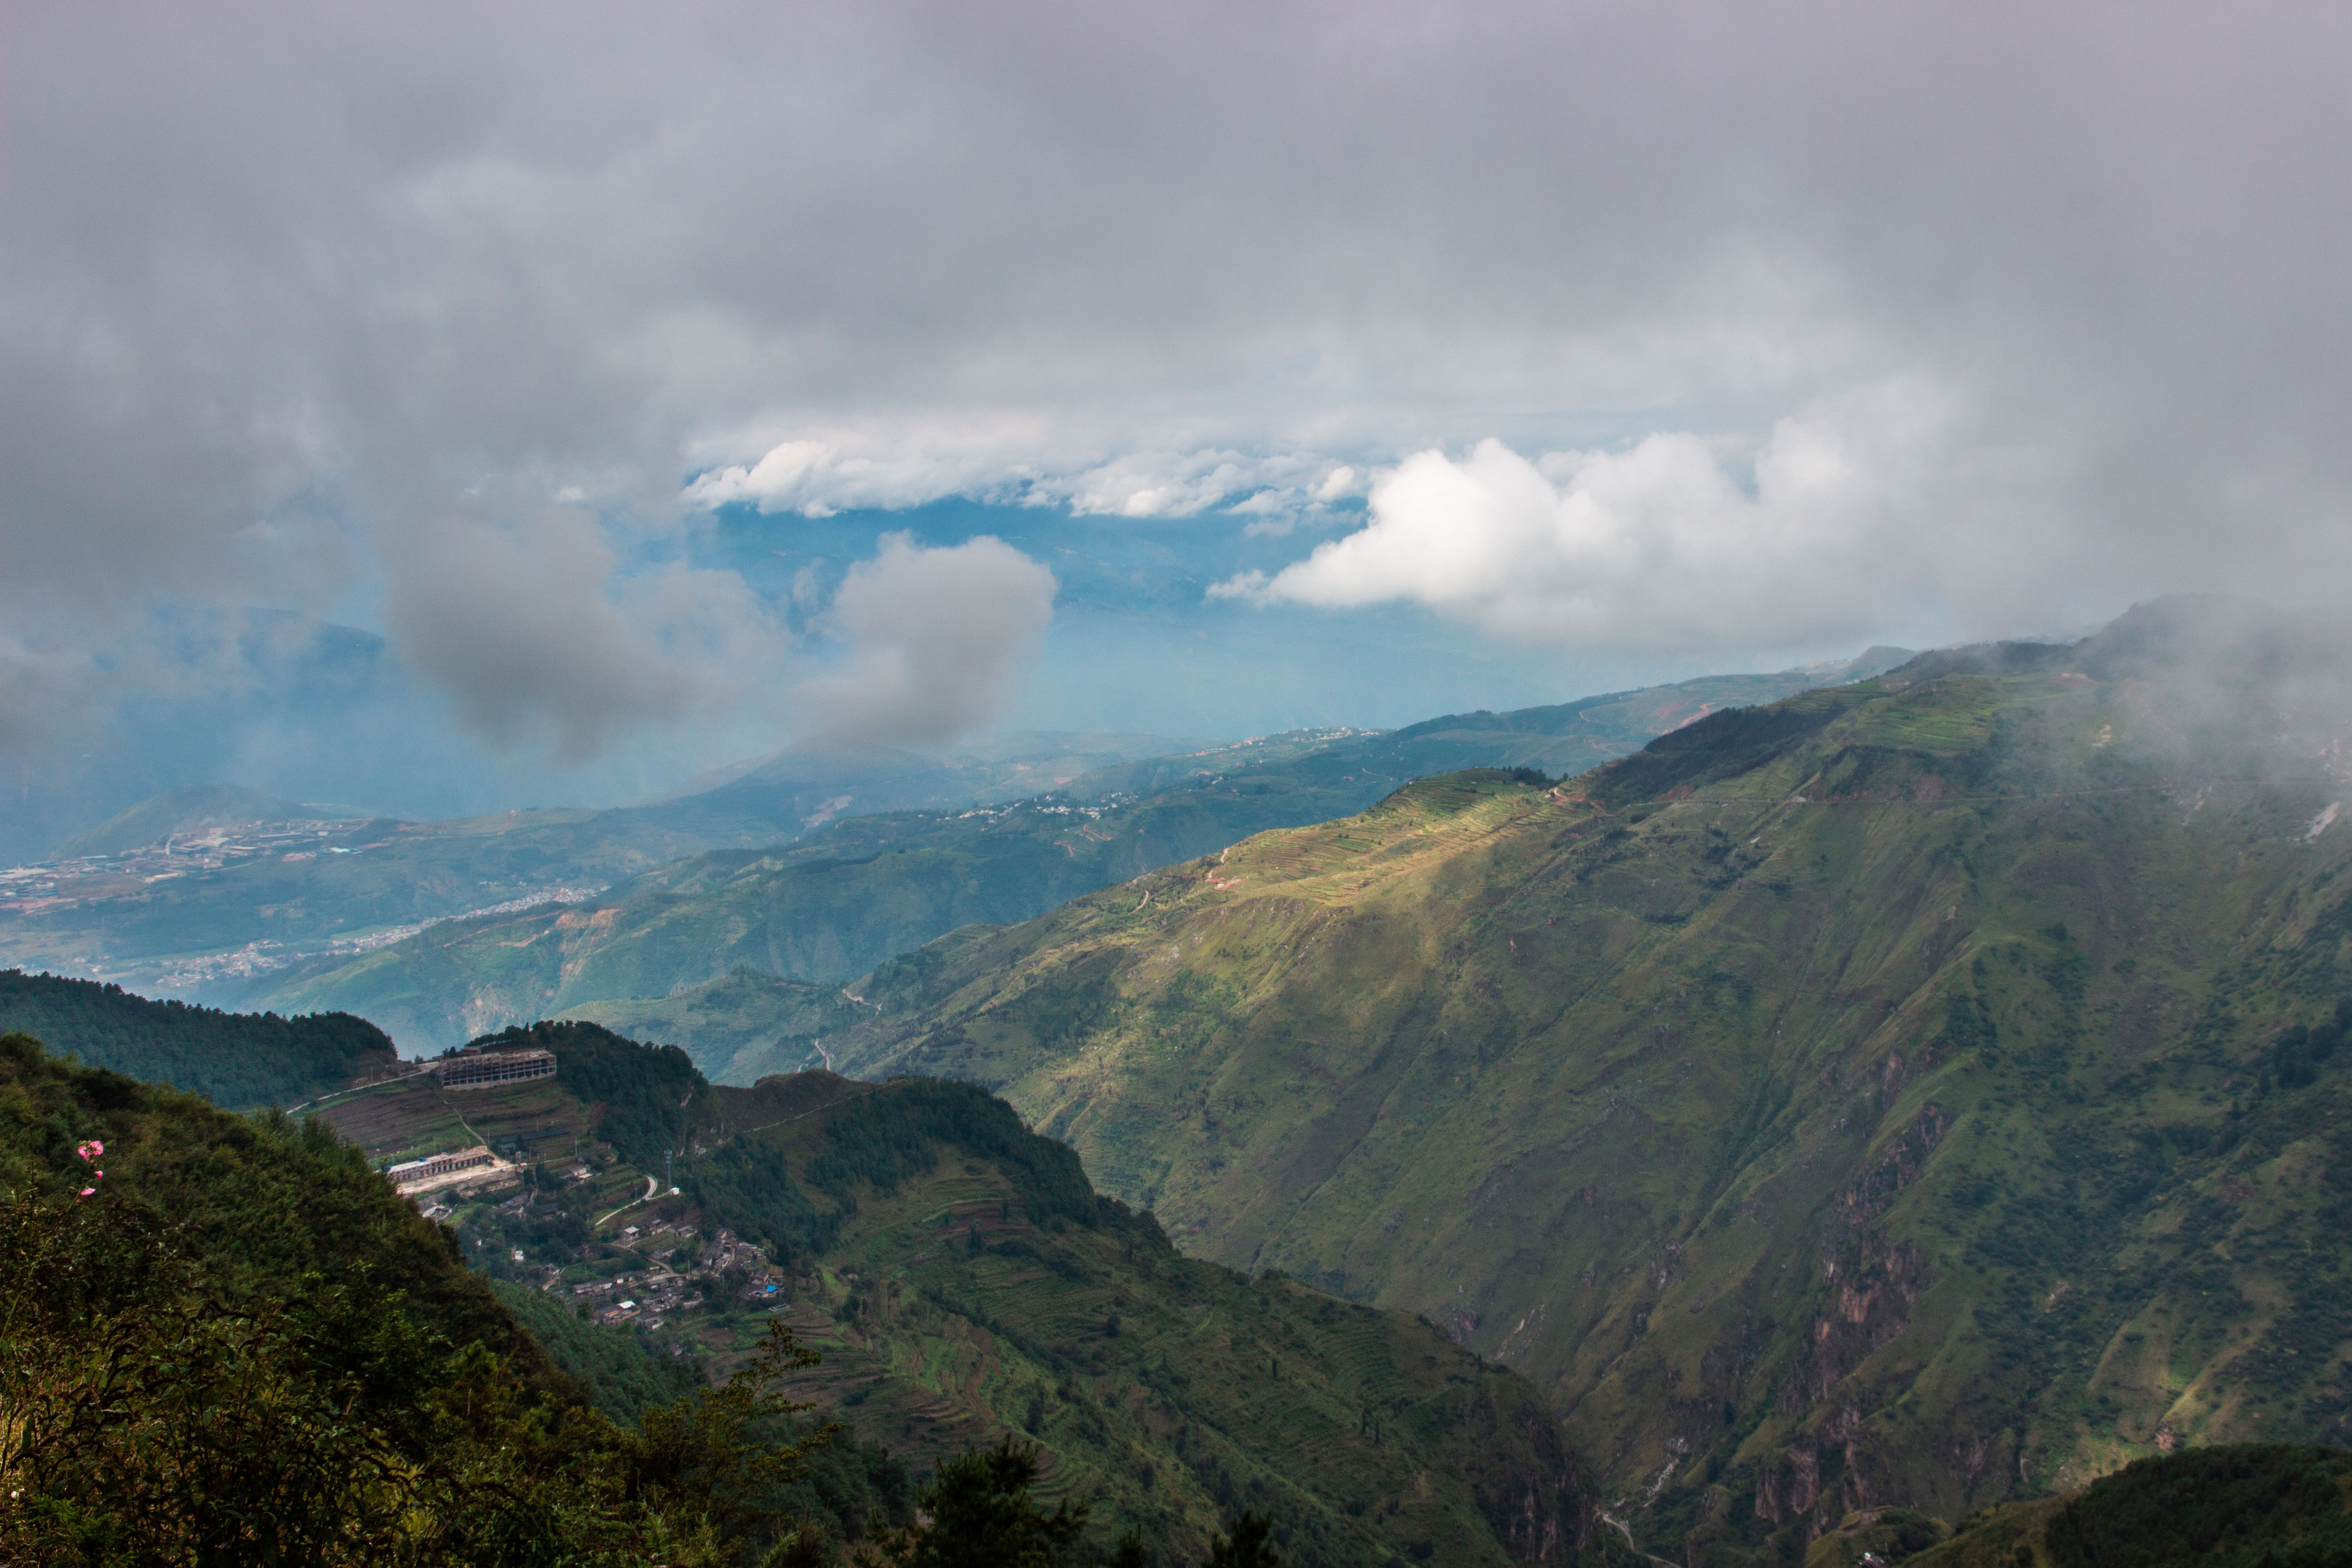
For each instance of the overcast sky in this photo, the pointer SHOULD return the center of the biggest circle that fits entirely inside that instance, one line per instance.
(627, 367)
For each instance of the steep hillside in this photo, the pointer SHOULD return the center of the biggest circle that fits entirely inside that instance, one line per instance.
(963, 1281)
(257, 1203)
(231, 1058)
(1917, 1092)
(227, 1340)
(2237, 1506)
(740, 1027)
(831, 906)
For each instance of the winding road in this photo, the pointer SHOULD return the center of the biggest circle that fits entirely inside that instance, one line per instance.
(651, 1183)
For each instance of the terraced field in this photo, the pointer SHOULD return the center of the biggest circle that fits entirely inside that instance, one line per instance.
(416, 1116)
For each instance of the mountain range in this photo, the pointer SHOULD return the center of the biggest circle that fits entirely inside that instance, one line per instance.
(1918, 1091)
(827, 907)
(204, 887)
(1902, 1101)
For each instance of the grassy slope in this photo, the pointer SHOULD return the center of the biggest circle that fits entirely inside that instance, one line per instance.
(1174, 1391)
(1861, 1101)
(831, 906)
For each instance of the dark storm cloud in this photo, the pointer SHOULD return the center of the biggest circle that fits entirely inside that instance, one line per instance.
(2058, 291)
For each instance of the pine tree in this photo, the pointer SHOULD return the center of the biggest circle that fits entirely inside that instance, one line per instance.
(1250, 1544)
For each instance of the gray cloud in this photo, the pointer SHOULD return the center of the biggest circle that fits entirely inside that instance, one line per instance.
(330, 269)
(514, 624)
(937, 639)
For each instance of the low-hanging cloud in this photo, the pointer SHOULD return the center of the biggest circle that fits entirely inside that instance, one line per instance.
(516, 622)
(938, 639)
(1676, 542)
(1029, 462)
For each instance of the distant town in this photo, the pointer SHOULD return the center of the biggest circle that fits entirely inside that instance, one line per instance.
(54, 885)
(62, 884)
(665, 1268)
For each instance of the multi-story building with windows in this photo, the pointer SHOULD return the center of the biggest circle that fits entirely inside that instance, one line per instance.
(480, 1069)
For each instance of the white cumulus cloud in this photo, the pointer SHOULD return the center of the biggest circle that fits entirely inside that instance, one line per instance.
(820, 470)
(1036, 462)
(1676, 542)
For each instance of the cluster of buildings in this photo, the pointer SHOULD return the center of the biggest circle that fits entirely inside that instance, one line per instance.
(475, 1166)
(413, 1173)
(52, 884)
(472, 1169)
(648, 1296)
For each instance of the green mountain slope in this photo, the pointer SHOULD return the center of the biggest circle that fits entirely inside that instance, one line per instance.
(958, 1297)
(963, 1281)
(258, 1202)
(193, 807)
(227, 1340)
(1917, 1092)
(830, 906)
(2237, 1506)
(233, 1060)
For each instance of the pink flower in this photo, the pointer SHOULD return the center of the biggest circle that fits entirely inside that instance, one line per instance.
(87, 1191)
(90, 1150)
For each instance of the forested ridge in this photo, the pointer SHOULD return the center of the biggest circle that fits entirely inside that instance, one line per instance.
(224, 1337)
(236, 1059)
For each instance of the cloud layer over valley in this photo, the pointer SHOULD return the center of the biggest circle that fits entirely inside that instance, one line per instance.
(539, 339)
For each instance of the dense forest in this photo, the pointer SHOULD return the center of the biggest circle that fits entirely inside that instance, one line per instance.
(224, 1339)
(231, 1058)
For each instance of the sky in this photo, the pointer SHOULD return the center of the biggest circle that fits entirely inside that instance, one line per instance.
(441, 407)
